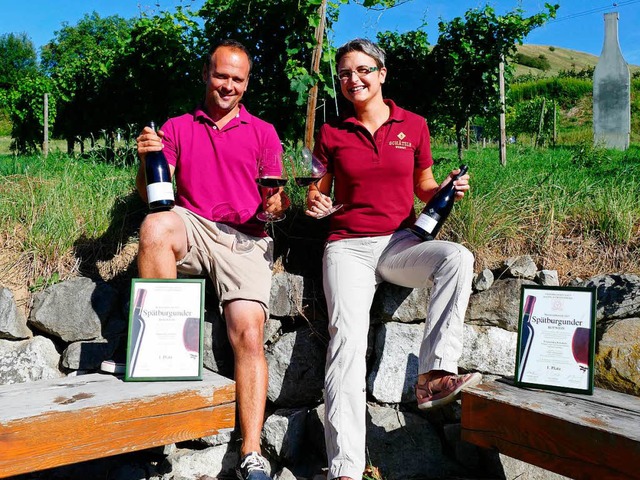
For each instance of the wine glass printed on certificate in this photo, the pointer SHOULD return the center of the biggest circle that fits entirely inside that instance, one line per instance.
(307, 170)
(271, 176)
(580, 347)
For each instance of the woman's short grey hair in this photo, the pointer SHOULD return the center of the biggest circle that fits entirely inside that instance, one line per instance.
(362, 45)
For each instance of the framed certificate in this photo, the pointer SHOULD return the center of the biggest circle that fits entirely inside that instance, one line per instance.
(165, 330)
(556, 338)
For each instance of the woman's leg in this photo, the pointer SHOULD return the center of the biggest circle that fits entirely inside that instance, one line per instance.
(349, 281)
(448, 268)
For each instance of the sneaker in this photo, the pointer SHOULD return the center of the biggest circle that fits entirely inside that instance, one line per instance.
(443, 390)
(253, 466)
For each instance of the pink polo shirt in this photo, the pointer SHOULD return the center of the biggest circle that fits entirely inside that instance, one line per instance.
(373, 174)
(215, 170)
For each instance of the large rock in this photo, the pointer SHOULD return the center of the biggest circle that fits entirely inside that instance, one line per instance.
(483, 280)
(618, 357)
(283, 434)
(395, 370)
(189, 464)
(296, 368)
(393, 303)
(216, 349)
(286, 295)
(498, 306)
(74, 310)
(489, 349)
(514, 468)
(13, 325)
(87, 355)
(548, 278)
(405, 445)
(618, 296)
(521, 267)
(28, 360)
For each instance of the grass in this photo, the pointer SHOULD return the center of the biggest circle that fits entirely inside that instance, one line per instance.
(552, 204)
(54, 208)
(575, 209)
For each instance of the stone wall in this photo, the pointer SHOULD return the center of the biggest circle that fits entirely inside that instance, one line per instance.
(75, 325)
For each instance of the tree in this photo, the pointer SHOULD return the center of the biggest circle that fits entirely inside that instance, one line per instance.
(464, 62)
(80, 60)
(407, 64)
(17, 58)
(158, 71)
(25, 104)
(281, 36)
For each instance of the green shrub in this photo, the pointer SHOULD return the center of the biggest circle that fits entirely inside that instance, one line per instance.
(540, 62)
(5, 125)
(587, 155)
(567, 91)
(524, 118)
(585, 73)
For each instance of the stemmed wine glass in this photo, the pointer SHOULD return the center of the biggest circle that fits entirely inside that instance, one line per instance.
(307, 170)
(271, 175)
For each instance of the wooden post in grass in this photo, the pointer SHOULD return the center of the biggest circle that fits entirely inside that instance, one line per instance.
(541, 123)
(468, 134)
(555, 122)
(503, 133)
(315, 67)
(45, 141)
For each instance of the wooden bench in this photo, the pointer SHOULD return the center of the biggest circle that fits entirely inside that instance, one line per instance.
(49, 423)
(580, 436)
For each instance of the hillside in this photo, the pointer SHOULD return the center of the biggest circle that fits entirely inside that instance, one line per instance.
(559, 59)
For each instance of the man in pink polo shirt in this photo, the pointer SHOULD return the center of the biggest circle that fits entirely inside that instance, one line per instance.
(212, 154)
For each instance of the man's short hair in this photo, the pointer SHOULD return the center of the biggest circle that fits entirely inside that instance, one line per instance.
(365, 46)
(229, 43)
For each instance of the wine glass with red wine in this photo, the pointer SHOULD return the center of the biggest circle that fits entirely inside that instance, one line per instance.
(307, 170)
(272, 176)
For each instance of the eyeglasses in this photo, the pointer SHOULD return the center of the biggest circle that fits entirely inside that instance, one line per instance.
(362, 71)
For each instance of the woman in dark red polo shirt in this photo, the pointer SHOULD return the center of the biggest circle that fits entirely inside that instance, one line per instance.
(378, 157)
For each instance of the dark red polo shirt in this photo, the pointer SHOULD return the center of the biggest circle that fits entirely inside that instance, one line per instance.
(373, 175)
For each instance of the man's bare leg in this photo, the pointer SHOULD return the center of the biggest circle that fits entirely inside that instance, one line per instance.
(245, 326)
(163, 241)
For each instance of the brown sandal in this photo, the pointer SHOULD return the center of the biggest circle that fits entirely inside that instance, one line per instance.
(444, 389)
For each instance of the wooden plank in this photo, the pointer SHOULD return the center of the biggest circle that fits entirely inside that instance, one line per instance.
(50, 423)
(579, 436)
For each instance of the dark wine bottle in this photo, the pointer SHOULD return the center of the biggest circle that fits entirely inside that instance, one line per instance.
(159, 186)
(437, 210)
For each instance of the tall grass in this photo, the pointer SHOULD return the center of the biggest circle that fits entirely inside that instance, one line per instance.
(49, 208)
(544, 194)
(565, 90)
(52, 203)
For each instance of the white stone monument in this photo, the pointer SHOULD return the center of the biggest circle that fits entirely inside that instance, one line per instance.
(611, 91)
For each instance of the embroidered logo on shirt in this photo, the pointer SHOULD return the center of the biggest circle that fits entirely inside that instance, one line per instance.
(400, 143)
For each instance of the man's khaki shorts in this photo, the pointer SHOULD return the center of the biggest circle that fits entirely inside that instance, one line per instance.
(239, 264)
